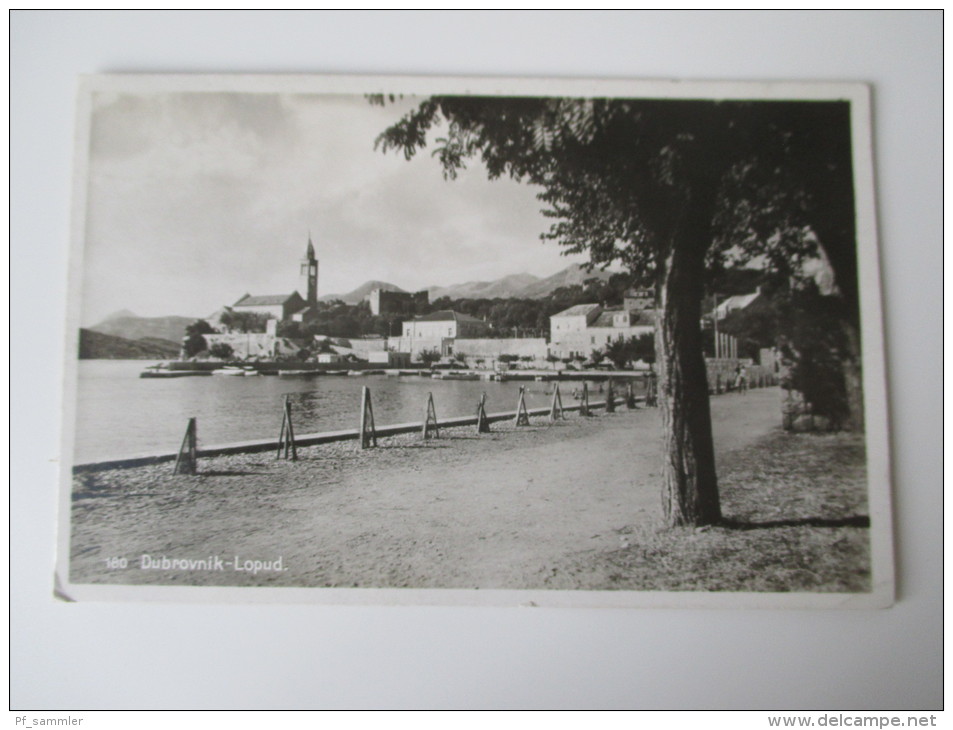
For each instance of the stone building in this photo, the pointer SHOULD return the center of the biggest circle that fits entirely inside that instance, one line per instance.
(445, 324)
(579, 330)
(438, 331)
(287, 307)
(397, 302)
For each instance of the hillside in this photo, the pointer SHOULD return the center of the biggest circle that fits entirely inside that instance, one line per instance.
(516, 286)
(131, 327)
(97, 346)
(570, 276)
(508, 286)
(358, 295)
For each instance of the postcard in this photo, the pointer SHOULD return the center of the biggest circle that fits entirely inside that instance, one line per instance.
(474, 341)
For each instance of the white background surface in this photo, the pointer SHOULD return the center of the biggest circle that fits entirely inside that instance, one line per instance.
(99, 656)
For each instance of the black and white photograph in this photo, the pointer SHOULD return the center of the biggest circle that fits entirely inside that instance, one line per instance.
(345, 204)
(467, 341)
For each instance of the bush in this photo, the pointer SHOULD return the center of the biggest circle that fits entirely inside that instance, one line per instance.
(429, 357)
(222, 351)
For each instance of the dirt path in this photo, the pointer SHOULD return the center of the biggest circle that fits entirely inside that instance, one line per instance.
(465, 511)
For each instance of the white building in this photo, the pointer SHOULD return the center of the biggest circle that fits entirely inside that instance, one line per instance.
(283, 307)
(444, 324)
(579, 330)
(573, 321)
(731, 304)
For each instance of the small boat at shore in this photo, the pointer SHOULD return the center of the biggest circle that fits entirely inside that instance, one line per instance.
(455, 376)
(298, 373)
(236, 370)
(164, 371)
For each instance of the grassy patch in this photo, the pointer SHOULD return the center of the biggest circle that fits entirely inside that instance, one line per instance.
(795, 508)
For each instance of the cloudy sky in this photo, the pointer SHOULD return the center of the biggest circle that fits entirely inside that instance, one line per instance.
(195, 199)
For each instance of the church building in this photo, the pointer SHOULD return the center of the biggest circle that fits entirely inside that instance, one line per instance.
(288, 307)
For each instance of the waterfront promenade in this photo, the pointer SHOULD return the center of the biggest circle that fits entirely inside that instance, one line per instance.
(508, 509)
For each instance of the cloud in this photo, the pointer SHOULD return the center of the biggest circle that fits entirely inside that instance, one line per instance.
(195, 199)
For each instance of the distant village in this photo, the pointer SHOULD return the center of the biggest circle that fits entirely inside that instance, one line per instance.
(580, 333)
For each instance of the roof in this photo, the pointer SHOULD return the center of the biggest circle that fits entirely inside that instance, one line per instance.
(640, 318)
(604, 319)
(739, 301)
(265, 299)
(577, 311)
(633, 293)
(447, 315)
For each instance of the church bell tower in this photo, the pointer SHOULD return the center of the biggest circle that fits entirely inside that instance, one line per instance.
(309, 275)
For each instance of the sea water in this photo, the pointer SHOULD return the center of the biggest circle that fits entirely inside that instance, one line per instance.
(120, 414)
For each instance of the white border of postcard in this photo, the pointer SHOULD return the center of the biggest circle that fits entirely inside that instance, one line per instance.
(875, 400)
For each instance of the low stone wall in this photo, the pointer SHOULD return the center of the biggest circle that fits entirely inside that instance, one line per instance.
(255, 344)
(415, 345)
(361, 348)
(488, 348)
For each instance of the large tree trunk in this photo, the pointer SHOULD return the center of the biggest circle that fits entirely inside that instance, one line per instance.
(690, 486)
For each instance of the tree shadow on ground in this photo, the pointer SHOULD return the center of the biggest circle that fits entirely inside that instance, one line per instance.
(853, 521)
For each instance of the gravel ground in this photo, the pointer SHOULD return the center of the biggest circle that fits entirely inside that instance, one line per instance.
(498, 510)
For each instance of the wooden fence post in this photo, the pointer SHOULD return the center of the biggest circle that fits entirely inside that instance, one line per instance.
(522, 417)
(430, 420)
(610, 397)
(584, 400)
(556, 410)
(186, 461)
(286, 439)
(482, 424)
(368, 433)
(630, 397)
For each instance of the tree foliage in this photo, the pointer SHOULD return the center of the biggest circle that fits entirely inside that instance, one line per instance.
(221, 350)
(244, 321)
(611, 170)
(429, 357)
(194, 342)
(674, 190)
(623, 352)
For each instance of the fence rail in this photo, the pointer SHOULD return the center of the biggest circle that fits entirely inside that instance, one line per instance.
(313, 439)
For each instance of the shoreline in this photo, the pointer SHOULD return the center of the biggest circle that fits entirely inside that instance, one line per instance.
(517, 508)
(252, 446)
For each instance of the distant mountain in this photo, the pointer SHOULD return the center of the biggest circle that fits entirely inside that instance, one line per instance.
(97, 346)
(121, 314)
(570, 276)
(522, 286)
(128, 325)
(508, 286)
(358, 295)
